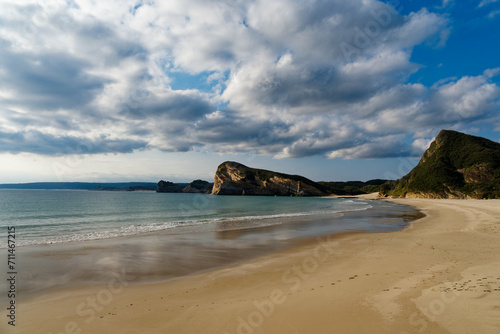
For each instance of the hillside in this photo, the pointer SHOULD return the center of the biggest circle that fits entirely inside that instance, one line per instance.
(353, 187)
(233, 178)
(456, 165)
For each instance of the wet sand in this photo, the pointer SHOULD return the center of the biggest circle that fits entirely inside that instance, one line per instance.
(439, 275)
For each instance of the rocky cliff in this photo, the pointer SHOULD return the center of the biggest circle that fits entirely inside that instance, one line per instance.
(233, 178)
(456, 165)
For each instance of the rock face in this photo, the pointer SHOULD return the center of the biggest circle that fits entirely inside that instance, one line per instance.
(168, 187)
(456, 165)
(198, 186)
(233, 178)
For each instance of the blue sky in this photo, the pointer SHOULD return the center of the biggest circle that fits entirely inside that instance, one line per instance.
(330, 89)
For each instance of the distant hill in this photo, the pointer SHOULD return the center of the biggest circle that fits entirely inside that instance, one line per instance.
(130, 186)
(233, 178)
(353, 187)
(456, 165)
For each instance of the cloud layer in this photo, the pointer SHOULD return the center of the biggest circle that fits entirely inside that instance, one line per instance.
(286, 78)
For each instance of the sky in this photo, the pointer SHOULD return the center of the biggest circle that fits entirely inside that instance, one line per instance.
(329, 89)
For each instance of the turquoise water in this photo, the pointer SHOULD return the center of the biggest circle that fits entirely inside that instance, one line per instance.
(58, 216)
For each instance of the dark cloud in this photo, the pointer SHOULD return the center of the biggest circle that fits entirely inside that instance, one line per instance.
(175, 106)
(47, 81)
(41, 143)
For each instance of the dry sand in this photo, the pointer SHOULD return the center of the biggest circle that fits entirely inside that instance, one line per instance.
(440, 275)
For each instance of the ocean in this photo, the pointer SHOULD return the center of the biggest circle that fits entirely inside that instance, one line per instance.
(74, 237)
(56, 216)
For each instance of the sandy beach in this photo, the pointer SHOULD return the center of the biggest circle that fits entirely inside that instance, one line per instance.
(439, 275)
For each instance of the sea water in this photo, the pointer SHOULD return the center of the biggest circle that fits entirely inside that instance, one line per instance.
(56, 216)
(77, 237)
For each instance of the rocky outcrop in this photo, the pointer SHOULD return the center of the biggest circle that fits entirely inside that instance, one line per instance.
(198, 186)
(168, 187)
(456, 165)
(233, 178)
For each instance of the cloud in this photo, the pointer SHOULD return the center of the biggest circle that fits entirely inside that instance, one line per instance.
(486, 2)
(493, 14)
(46, 81)
(382, 147)
(288, 78)
(419, 146)
(447, 2)
(41, 143)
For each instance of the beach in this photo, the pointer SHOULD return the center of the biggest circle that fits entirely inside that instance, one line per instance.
(441, 274)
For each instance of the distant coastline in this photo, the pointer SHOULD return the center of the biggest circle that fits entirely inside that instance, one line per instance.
(81, 185)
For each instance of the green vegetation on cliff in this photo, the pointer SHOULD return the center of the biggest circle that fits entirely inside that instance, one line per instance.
(455, 165)
(353, 187)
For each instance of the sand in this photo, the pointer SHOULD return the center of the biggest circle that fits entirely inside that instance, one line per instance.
(439, 275)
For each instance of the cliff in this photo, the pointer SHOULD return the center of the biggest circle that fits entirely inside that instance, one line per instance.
(233, 178)
(456, 165)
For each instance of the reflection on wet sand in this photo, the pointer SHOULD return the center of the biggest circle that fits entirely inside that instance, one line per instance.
(169, 254)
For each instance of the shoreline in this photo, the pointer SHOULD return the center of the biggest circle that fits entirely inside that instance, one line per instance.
(173, 253)
(419, 279)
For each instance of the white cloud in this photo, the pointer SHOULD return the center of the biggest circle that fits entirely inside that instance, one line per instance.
(289, 78)
(486, 2)
(494, 13)
(381, 147)
(420, 145)
(447, 2)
